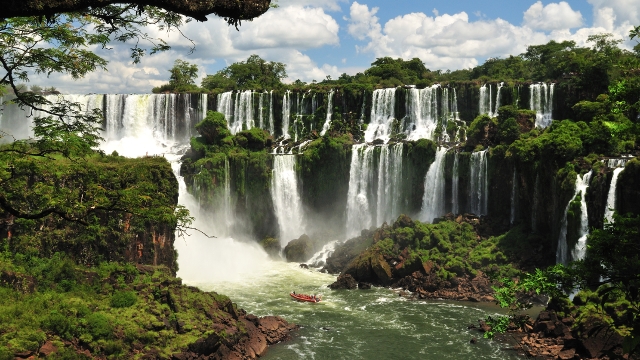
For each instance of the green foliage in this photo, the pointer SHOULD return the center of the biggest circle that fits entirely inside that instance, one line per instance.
(477, 132)
(254, 73)
(183, 74)
(123, 299)
(213, 129)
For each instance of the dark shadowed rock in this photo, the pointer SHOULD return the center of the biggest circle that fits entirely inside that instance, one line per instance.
(344, 281)
(299, 250)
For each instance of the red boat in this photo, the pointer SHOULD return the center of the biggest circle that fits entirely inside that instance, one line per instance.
(305, 297)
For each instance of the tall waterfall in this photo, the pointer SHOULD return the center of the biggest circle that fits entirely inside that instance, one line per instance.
(286, 114)
(389, 180)
(485, 100)
(225, 106)
(454, 106)
(582, 183)
(228, 203)
(375, 191)
(498, 100)
(618, 165)
(360, 178)
(433, 201)
(382, 115)
(479, 184)
(455, 183)
(422, 112)
(327, 122)
(541, 101)
(287, 202)
(261, 106)
(271, 119)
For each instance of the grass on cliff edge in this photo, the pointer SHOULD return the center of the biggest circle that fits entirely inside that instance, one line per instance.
(112, 310)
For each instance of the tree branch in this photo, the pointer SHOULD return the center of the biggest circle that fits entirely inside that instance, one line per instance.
(232, 10)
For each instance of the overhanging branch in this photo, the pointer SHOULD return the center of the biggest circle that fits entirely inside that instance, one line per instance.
(232, 10)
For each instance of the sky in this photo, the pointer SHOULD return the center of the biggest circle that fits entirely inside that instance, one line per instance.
(321, 38)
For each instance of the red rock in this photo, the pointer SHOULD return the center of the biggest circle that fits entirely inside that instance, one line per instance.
(47, 349)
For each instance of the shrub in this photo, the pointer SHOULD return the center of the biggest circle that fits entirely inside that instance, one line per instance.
(98, 326)
(123, 299)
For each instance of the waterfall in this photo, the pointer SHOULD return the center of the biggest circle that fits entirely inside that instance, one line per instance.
(243, 112)
(286, 114)
(512, 214)
(382, 115)
(582, 183)
(225, 107)
(433, 203)
(479, 192)
(455, 181)
(485, 100)
(454, 106)
(360, 177)
(327, 121)
(389, 180)
(611, 196)
(422, 112)
(541, 101)
(287, 202)
(498, 98)
(362, 110)
(261, 99)
(271, 121)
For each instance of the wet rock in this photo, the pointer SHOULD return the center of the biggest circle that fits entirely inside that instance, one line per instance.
(364, 286)
(381, 268)
(299, 250)
(344, 281)
(304, 266)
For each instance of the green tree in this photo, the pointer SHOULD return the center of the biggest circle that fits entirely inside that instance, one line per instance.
(183, 75)
(254, 73)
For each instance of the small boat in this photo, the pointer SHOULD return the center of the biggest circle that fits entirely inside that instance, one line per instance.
(305, 297)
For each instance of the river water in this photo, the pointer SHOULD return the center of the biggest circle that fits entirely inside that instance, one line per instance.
(347, 324)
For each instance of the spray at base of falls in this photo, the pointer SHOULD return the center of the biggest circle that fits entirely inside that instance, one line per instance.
(582, 184)
(287, 202)
(433, 201)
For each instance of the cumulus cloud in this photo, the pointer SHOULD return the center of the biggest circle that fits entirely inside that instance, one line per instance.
(625, 11)
(554, 16)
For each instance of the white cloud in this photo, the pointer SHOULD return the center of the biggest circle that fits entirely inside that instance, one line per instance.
(625, 11)
(554, 16)
(332, 5)
(363, 22)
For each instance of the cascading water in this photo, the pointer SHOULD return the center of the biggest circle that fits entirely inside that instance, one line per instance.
(261, 100)
(389, 179)
(243, 113)
(582, 183)
(360, 178)
(422, 112)
(327, 121)
(485, 100)
(225, 107)
(271, 120)
(479, 184)
(287, 202)
(433, 201)
(382, 115)
(286, 114)
(541, 101)
(498, 100)
(454, 106)
(455, 183)
(618, 166)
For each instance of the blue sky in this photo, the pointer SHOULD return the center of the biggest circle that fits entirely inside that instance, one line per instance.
(329, 37)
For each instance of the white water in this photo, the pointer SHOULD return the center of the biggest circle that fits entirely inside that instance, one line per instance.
(320, 258)
(271, 119)
(382, 115)
(422, 112)
(286, 114)
(388, 196)
(541, 101)
(611, 196)
(455, 183)
(360, 177)
(498, 100)
(485, 100)
(582, 183)
(286, 198)
(327, 121)
(433, 204)
(479, 189)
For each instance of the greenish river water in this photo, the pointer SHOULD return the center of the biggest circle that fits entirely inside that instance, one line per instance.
(347, 324)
